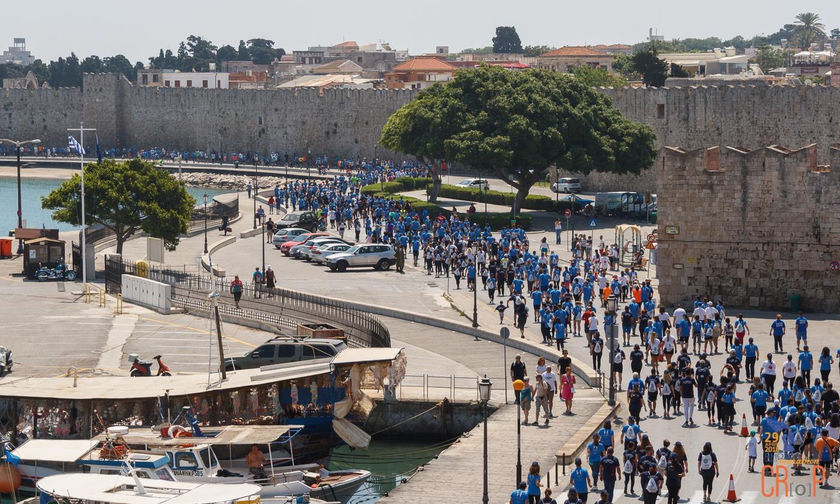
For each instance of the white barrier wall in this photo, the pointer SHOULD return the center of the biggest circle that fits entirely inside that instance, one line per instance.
(146, 292)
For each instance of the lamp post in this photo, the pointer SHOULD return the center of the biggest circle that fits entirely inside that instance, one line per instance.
(18, 145)
(308, 164)
(484, 387)
(205, 223)
(486, 188)
(262, 223)
(475, 296)
(612, 312)
(518, 385)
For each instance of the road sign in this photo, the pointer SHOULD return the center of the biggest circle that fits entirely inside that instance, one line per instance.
(650, 246)
(593, 223)
(651, 237)
(567, 212)
(504, 332)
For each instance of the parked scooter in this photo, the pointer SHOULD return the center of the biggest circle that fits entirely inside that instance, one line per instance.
(144, 368)
(59, 272)
(5, 360)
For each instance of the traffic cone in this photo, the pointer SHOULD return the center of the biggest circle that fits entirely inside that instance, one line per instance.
(730, 496)
(745, 432)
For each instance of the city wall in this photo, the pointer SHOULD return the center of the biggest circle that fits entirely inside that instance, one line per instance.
(751, 228)
(349, 122)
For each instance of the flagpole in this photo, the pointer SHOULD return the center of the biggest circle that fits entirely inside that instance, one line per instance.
(81, 131)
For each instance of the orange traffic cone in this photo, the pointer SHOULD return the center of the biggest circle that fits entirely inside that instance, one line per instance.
(730, 496)
(744, 431)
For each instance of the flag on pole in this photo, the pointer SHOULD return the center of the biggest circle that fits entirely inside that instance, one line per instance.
(11, 457)
(75, 146)
(98, 152)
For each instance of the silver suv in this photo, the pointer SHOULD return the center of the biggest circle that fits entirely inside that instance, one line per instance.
(282, 349)
(379, 256)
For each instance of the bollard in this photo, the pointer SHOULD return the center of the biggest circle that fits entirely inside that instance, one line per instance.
(119, 304)
(556, 472)
(87, 294)
(564, 464)
(103, 302)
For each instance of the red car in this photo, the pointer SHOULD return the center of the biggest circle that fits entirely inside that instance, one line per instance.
(298, 240)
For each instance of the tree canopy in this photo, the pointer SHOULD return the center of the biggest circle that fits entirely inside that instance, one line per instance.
(808, 29)
(125, 197)
(767, 58)
(598, 77)
(507, 40)
(653, 70)
(517, 125)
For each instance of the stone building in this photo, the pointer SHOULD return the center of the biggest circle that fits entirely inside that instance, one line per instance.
(566, 58)
(420, 73)
(751, 228)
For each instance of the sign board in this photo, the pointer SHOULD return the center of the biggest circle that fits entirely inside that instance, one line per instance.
(650, 246)
(504, 332)
(672, 230)
(154, 249)
(593, 223)
(567, 213)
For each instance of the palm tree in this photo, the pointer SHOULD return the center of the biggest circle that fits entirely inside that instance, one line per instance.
(808, 29)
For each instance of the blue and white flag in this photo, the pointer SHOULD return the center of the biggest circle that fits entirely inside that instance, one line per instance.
(75, 146)
(11, 457)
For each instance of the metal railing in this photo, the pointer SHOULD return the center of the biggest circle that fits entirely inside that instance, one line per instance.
(285, 309)
(448, 385)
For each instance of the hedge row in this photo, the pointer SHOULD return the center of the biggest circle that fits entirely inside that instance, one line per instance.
(532, 201)
(397, 185)
(496, 220)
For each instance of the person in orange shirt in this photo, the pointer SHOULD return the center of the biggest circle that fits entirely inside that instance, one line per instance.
(637, 293)
(606, 294)
(825, 447)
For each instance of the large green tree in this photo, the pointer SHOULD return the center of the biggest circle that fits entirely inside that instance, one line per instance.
(653, 70)
(507, 40)
(598, 77)
(517, 125)
(125, 197)
(767, 58)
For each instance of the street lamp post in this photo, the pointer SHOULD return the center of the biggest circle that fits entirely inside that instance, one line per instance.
(518, 385)
(612, 310)
(486, 188)
(475, 297)
(484, 387)
(262, 223)
(18, 145)
(205, 223)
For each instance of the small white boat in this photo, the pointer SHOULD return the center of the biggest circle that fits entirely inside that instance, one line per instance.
(113, 489)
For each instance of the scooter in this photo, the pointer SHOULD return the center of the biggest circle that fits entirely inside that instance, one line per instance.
(59, 272)
(144, 368)
(5, 360)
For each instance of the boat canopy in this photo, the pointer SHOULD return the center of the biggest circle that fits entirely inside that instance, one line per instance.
(114, 489)
(55, 450)
(227, 435)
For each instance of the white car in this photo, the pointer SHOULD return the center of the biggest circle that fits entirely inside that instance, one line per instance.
(566, 185)
(320, 254)
(306, 252)
(475, 183)
(378, 255)
(284, 235)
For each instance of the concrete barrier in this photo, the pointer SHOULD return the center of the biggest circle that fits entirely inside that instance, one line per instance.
(148, 293)
(205, 258)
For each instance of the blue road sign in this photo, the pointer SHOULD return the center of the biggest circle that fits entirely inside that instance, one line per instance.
(593, 223)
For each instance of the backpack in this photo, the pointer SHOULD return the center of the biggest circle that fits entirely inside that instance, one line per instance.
(663, 462)
(705, 461)
(617, 358)
(651, 486)
(799, 396)
(666, 389)
(652, 386)
(597, 346)
(797, 438)
(710, 396)
(628, 466)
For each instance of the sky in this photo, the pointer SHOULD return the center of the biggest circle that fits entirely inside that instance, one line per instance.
(140, 28)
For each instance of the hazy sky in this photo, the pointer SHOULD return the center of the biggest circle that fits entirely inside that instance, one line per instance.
(139, 28)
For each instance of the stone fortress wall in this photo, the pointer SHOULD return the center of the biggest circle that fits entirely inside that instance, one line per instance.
(349, 122)
(751, 228)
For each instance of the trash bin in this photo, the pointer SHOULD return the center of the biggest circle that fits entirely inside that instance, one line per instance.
(795, 302)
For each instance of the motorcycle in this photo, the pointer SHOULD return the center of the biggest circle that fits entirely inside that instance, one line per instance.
(144, 368)
(5, 360)
(59, 272)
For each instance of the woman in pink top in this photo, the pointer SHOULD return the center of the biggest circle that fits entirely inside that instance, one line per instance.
(567, 389)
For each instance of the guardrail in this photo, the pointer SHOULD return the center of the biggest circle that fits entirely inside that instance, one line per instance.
(450, 384)
(283, 309)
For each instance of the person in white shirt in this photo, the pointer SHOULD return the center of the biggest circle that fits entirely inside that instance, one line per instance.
(679, 314)
(710, 312)
(789, 370)
(593, 325)
(669, 346)
(550, 379)
(699, 312)
(768, 373)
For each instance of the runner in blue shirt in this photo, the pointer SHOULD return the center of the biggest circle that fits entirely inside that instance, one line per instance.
(595, 450)
(825, 363)
(750, 355)
(777, 330)
(536, 296)
(801, 330)
(520, 496)
(580, 480)
(759, 401)
(806, 364)
(606, 434)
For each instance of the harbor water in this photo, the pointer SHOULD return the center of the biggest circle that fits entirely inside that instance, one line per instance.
(32, 189)
(390, 461)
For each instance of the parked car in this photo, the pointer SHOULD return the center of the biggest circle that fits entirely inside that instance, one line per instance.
(566, 185)
(283, 349)
(320, 254)
(286, 246)
(379, 256)
(306, 253)
(284, 235)
(305, 220)
(300, 251)
(475, 183)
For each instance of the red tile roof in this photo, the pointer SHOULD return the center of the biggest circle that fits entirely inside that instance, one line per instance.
(425, 64)
(575, 51)
(348, 44)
